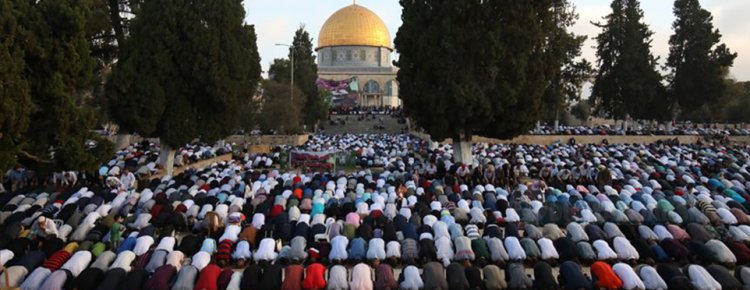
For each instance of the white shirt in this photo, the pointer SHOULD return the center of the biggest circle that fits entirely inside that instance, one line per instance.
(231, 232)
(142, 245)
(662, 232)
(166, 244)
(393, 249)
(497, 250)
(175, 259)
(361, 277)
(338, 248)
(127, 181)
(651, 278)
(77, 263)
(201, 260)
(630, 280)
(625, 251)
(376, 249)
(603, 251)
(701, 279)
(242, 251)
(412, 279)
(515, 250)
(548, 249)
(123, 261)
(266, 250)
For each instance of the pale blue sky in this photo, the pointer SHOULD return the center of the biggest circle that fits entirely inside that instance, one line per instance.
(276, 21)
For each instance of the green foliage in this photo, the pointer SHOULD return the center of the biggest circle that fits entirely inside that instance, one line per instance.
(476, 66)
(567, 84)
(278, 112)
(15, 98)
(735, 103)
(697, 60)
(186, 71)
(305, 76)
(279, 71)
(49, 61)
(581, 110)
(627, 83)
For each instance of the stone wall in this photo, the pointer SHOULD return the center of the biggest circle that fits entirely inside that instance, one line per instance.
(198, 165)
(592, 139)
(272, 140)
(354, 56)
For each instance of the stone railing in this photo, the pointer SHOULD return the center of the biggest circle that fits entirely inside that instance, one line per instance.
(198, 165)
(584, 139)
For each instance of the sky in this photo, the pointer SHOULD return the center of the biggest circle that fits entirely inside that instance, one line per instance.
(276, 20)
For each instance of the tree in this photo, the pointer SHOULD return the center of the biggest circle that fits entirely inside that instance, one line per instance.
(475, 67)
(735, 103)
(627, 83)
(581, 110)
(278, 112)
(185, 72)
(279, 71)
(305, 76)
(48, 70)
(15, 98)
(567, 84)
(697, 59)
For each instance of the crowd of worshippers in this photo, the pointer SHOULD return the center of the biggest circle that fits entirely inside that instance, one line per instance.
(643, 129)
(371, 150)
(664, 217)
(137, 161)
(365, 110)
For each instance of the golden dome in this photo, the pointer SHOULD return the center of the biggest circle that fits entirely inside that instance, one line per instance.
(354, 25)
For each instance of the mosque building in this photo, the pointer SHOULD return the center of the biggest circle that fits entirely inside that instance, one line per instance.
(354, 59)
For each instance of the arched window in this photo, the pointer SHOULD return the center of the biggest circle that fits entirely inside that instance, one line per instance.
(389, 88)
(372, 87)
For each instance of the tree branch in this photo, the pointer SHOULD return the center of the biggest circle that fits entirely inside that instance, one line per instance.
(34, 157)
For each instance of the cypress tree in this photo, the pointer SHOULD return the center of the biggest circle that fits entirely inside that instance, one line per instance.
(476, 67)
(49, 61)
(185, 72)
(15, 98)
(305, 76)
(697, 60)
(627, 83)
(567, 84)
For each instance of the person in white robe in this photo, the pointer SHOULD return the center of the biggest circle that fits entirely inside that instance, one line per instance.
(651, 278)
(548, 249)
(625, 250)
(603, 251)
(514, 248)
(266, 250)
(361, 277)
(701, 279)
(412, 279)
(630, 280)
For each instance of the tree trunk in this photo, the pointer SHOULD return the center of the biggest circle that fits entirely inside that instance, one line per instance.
(462, 151)
(557, 120)
(626, 124)
(123, 140)
(166, 159)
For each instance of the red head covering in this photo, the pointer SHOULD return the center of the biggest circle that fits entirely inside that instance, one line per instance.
(276, 210)
(314, 278)
(605, 276)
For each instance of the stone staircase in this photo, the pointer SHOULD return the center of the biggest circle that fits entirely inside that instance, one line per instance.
(353, 125)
